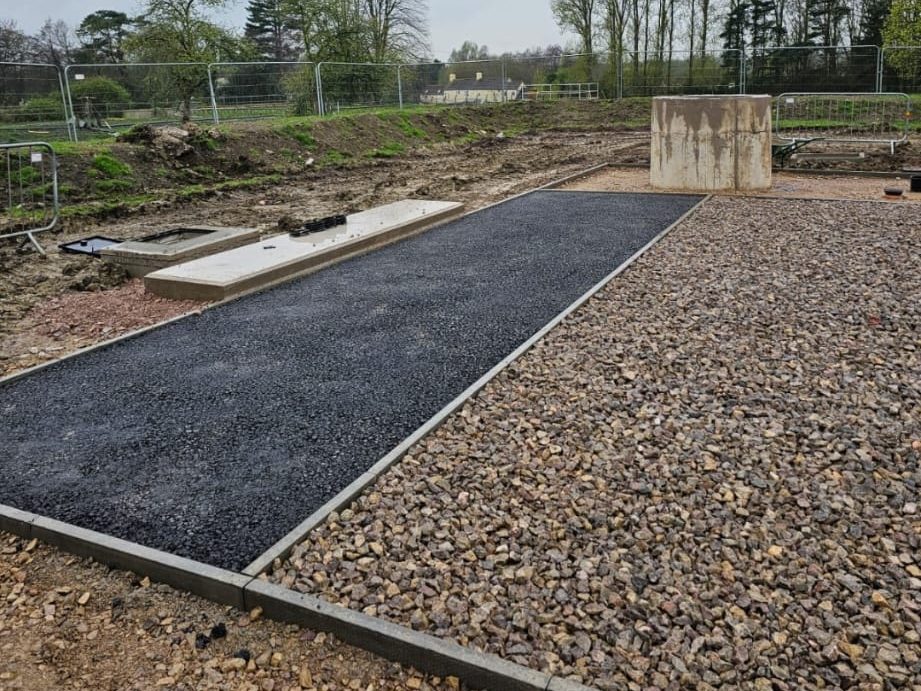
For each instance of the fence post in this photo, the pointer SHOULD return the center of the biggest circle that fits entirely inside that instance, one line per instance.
(70, 129)
(503, 71)
(400, 84)
(880, 66)
(214, 113)
(743, 71)
(619, 74)
(321, 109)
(72, 117)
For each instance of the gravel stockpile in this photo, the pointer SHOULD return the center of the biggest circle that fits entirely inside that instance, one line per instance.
(706, 477)
(214, 436)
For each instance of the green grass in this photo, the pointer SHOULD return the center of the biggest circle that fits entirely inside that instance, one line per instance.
(116, 185)
(200, 190)
(104, 208)
(408, 128)
(388, 150)
(333, 158)
(106, 165)
(300, 132)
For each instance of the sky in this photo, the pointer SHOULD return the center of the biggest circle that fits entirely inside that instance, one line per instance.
(503, 25)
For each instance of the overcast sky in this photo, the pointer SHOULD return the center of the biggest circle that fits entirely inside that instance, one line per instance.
(503, 25)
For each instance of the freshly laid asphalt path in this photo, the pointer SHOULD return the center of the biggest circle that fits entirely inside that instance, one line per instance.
(214, 436)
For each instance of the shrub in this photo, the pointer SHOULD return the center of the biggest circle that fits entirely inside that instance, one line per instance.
(108, 97)
(40, 109)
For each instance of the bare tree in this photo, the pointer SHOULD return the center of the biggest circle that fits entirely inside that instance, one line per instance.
(615, 17)
(14, 45)
(54, 43)
(578, 16)
(399, 28)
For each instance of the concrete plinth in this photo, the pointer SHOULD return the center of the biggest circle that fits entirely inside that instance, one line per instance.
(711, 143)
(174, 246)
(283, 257)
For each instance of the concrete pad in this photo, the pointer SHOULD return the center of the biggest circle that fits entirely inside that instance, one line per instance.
(283, 257)
(176, 245)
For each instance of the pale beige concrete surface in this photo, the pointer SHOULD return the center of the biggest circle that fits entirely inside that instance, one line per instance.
(711, 143)
(282, 257)
(791, 185)
(140, 257)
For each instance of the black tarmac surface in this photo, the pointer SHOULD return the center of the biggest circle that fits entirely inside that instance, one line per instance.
(214, 436)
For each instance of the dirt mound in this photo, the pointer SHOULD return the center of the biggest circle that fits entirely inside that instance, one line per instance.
(172, 141)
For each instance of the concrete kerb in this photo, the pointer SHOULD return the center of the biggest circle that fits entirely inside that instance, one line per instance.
(397, 643)
(284, 546)
(423, 651)
(217, 585)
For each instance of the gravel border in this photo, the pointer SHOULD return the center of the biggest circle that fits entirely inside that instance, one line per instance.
(707, 477)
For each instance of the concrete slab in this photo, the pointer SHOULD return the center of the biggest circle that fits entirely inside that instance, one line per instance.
(176, 245)
(283, 257)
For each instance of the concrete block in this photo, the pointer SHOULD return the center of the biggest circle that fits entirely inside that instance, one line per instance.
(427, 653)
(283, 257)
(217, 585)
(711, 143)
(176, 245)
(17, 522)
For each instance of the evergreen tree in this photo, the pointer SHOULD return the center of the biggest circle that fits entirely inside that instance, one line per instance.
(872, 21)
(267, 26)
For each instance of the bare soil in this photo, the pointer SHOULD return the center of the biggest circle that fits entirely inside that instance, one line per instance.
(68, 623)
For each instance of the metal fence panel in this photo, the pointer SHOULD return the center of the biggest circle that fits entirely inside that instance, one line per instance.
(900, 69)
(29, 184)
(252, 90)
(31, 101)
(103, 99)
(779, 69)
(351, 86)
(681, 72)
(875, 118)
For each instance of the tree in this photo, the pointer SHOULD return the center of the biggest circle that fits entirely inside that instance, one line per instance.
(54, 44)
(177, 31)
(398, 28)
(102, 35)
(903, 28)
(268, 26)
(330, 30)
(872, 20)
(14, 44)
(577, 16)
(469, 51)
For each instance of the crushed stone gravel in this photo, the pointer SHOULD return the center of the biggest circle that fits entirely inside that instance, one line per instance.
(707, 477)
(214, 436)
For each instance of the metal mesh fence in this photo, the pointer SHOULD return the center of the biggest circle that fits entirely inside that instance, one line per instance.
(901, 69)
(775, 70)
(447, 83)
(29, 187)
(664, 73)
(852, 117)
(250, 90)
(31, 101)
(103, 99)
(350, 86)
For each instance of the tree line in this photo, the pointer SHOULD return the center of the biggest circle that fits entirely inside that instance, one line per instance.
(183, 31)
(782, 38)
